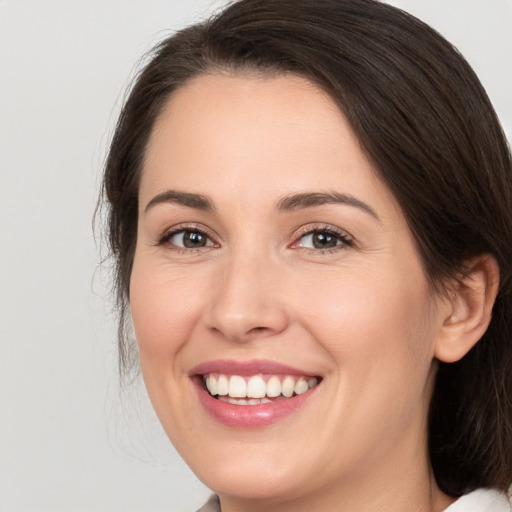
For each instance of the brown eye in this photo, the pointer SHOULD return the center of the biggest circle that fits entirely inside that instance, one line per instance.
(189, 239)
(193, 239)
(323, 239)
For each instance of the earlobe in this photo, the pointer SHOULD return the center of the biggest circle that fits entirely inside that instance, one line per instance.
(468, 309)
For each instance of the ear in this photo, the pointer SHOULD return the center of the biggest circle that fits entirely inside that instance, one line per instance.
(467, 310)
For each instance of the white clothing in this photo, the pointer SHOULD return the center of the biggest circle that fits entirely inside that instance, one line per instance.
(481, 500)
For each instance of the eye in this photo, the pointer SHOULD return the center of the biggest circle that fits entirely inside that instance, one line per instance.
(323, 239)
(187, 239)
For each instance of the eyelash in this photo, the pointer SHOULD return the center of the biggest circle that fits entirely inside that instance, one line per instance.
(341, 236)
(167, 236)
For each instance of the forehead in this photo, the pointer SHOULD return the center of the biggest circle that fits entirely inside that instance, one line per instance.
(255, 136)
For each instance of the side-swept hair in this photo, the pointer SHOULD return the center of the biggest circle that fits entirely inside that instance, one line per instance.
(426, 123)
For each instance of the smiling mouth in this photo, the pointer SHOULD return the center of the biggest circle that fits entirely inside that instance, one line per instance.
(256, 389)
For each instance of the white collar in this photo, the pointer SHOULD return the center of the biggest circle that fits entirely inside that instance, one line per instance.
(481, 500)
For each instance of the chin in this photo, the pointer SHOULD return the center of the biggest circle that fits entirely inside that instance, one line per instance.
(252, 480)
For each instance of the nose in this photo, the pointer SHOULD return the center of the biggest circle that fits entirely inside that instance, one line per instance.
(247, 302)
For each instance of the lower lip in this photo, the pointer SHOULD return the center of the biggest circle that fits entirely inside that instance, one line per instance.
(250, 416)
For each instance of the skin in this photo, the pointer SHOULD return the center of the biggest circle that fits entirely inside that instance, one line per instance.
(360, 315)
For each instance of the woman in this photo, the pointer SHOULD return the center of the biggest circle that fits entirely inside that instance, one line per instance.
(310, 211)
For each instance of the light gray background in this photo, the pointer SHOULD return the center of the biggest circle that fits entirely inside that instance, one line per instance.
(69, 440)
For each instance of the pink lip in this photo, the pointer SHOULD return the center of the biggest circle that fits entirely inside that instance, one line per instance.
(243, 368)
(248, 416)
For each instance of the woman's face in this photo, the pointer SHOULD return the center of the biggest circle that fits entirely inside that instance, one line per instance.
(270, 257)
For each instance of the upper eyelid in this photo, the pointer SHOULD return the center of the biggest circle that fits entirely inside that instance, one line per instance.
(296, 236)
(347, 240)
(170, 232)
(316, 228)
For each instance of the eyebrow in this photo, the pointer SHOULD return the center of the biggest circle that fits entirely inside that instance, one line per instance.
(310, 199)
(286, 204)
(197, 201)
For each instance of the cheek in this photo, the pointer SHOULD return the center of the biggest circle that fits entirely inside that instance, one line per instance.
(164, 311)
(377, 333)
(372, 321)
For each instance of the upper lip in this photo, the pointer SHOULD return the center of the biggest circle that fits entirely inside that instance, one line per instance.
(244, 368)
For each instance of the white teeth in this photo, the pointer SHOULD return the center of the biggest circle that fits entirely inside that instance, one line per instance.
(211, 384)
(235, 387)
(256, 387)
(222, 385)
(301, 387)
(288, 386)
(273, 386)
(244, 401)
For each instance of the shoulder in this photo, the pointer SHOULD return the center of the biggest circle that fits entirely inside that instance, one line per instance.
(482, 500)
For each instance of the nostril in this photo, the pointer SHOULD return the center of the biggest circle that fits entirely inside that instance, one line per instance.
(244, 322)
(256, 330)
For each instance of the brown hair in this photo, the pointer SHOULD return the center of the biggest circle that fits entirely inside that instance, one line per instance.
(427, 124)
